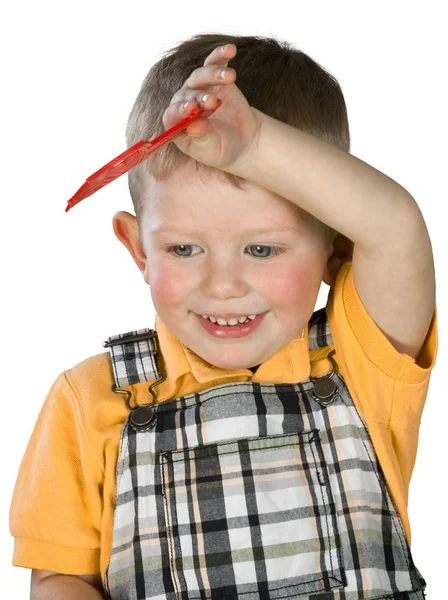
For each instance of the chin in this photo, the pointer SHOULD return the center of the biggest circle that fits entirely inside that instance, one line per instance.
(232, 364)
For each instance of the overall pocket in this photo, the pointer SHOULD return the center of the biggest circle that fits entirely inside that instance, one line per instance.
(253, 516)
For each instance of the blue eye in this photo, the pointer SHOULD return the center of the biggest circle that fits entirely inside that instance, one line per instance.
(275, 250)
(171, 248)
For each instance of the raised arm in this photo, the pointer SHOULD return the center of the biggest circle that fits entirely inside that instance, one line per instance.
(393, 265)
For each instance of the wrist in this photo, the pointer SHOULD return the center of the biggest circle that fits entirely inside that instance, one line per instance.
(243, 166)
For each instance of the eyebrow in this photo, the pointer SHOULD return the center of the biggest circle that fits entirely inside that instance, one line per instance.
(257, 231)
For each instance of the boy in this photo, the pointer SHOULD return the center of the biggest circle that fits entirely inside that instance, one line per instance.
(273, 457)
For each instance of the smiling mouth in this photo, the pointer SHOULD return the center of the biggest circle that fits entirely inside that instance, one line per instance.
(226, 315)
(232, 331)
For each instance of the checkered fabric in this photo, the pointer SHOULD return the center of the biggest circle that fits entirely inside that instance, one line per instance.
(257, 491)
(133, 356)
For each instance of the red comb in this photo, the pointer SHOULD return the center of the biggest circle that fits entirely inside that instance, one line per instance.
(133, 156)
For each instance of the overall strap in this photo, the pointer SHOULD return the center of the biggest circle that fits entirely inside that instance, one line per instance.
(319, 333)
(133, 354)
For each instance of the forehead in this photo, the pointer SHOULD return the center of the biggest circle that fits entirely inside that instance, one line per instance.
(192, 202)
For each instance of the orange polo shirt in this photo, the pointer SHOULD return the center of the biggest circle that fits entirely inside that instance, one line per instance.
(63, 503)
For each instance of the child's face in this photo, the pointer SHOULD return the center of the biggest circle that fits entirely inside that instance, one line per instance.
(221, 270)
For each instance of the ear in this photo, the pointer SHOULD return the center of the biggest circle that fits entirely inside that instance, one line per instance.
(342, 252)
(126, 229)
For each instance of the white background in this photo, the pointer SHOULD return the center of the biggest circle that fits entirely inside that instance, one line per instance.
(70, 74)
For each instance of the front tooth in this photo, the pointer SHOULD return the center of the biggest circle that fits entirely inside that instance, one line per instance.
(232, 321)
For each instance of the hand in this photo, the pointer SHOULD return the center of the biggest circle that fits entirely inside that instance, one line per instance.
(226, 138)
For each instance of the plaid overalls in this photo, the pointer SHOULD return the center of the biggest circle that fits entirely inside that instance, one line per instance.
(285, 498)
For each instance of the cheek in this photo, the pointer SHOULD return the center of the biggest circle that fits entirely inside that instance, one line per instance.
(289, 284)
(169, 286)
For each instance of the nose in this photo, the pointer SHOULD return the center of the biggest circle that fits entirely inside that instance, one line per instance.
(225, 279)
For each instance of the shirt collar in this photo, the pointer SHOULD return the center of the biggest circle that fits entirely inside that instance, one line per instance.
(290, 364)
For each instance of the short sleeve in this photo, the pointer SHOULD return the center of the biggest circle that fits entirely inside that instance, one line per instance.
(56, 507)
(378, 348)
(391, 387)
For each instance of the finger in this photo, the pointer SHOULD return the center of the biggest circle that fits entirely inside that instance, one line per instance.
(208, 79)
(199, 130)
(179, 110)
(208, 75)
(196, 129)
(221, 54)
(205, 78)
(183, 95)
(191, 100)
(220, 58)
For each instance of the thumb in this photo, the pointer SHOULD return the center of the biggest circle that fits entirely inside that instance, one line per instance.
(200, 131)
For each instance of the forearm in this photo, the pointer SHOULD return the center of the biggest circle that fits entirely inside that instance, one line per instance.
(65, 587)
(334, 186)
